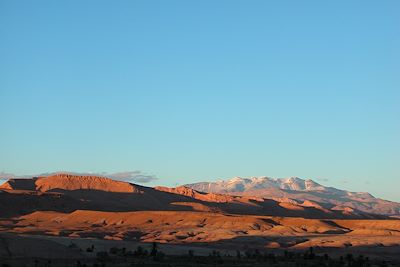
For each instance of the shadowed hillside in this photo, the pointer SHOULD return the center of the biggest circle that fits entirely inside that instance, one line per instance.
(99, 193)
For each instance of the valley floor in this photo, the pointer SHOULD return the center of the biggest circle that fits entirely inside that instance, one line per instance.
(49, 251)
(81, 235)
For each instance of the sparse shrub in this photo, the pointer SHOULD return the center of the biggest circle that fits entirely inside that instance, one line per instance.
(238, 254)
(72, 245)
(113, 250)
(270, 257)
(256, 254)
(248, 254)
(140, 252)
(349, 258)
(311, 253)
(215, 256)
(159, 256)
(90, 249)
(153, 252)
(286, 254)
(102, 256)
(191, 253)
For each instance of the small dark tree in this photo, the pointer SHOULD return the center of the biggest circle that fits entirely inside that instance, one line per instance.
(311, 253)
(257, 254)
(326, 257)
(238, 255)
(72, 245)
(367, 263)
(102, 256)
(360, 261)
(271, 257)
(140, 252)
(215, 255)
(248, 254)
(191, 253)
(286, 254)
(349, 259)
(154, 251)
(114, 250)
(90, 249)
(159, 256)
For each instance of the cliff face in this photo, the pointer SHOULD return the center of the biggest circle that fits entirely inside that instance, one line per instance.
(186, 191)
(70, 182)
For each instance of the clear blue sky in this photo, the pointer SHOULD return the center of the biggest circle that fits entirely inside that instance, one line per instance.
(202, 90)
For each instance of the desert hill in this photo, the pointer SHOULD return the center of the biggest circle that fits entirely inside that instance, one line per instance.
(295, 190)
(69, 182)
(184, 227)
(66, 193)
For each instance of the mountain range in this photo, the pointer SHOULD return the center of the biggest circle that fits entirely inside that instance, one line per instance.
(295, 190)
(66, 193)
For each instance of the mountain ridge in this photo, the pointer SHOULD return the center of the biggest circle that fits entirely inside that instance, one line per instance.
(104, 194)
(295, 189)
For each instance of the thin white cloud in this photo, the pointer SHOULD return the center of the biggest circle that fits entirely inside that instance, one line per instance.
(132, 176)
(128, 176)
(6, 175)
(323, 179)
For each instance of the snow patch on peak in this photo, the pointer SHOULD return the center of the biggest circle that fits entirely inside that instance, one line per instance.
(241, 184)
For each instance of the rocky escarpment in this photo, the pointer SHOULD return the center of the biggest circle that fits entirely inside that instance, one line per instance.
(70, 182)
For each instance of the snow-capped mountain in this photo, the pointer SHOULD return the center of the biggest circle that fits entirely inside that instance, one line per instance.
(295, 189)
(239, 184)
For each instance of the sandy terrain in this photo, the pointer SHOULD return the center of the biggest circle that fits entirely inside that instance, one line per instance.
(204, 227)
